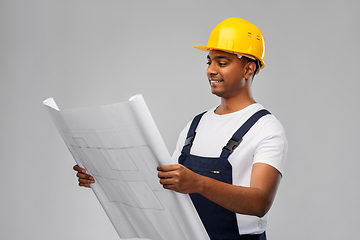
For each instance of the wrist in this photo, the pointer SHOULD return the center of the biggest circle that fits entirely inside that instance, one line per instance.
(200, 184)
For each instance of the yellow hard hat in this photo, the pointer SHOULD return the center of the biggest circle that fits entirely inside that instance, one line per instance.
(238, 36)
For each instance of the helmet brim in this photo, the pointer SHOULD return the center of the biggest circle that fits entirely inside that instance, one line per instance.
(202, 48)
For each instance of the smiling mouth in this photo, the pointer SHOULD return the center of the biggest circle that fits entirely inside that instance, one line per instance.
(215, 81)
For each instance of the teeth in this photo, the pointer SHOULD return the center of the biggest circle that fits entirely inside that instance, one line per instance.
(214, 81)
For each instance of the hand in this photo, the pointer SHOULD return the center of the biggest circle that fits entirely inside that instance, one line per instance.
(84, 179)
(178, 178)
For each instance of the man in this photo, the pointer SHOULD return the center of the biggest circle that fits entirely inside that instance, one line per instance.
(230, 166)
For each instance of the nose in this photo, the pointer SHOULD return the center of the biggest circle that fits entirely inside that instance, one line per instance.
(211, 70)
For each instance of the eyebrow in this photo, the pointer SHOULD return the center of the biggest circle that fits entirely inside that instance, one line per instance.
(219, 57)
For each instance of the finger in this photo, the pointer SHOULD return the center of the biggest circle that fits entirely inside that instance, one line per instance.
(86, 185)
(165, 174)
(85, 181)
(85, 177)
(79, 169)
(167, 168)
(169, 186)
(166, 181)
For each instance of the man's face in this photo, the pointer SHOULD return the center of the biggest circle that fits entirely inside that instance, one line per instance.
(225, 74)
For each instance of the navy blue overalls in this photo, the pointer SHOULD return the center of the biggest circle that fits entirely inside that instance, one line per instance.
(219, 222)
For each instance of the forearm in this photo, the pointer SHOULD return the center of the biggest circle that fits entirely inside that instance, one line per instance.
(243, 200)
(254, 200)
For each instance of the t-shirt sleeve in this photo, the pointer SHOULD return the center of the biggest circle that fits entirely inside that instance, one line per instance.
(180, 143)
(272, 145)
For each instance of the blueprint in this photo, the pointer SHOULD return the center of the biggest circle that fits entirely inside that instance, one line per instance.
(120, 145)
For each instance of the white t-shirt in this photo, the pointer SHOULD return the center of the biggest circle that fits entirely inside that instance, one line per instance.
(265, 143)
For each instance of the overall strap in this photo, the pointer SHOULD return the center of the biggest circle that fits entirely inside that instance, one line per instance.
(239, 134)
(191, 133)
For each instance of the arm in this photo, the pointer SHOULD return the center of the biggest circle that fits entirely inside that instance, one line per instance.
(84, 179)
(254, 200)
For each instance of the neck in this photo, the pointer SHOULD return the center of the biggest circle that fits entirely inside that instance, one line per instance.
(236, 103)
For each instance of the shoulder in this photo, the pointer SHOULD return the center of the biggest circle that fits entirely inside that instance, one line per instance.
(269, 126)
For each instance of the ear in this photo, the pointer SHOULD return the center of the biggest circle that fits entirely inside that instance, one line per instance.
(250, 68)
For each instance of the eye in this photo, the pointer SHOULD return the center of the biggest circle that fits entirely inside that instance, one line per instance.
(208, 63)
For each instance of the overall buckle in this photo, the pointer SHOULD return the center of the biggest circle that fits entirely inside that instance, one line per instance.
(190, 140)
(232, 144)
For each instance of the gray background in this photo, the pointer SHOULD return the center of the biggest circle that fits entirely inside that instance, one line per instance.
(88, 53)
